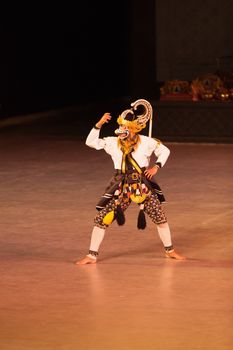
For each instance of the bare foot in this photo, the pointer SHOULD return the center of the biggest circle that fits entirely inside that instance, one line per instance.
(86, 260)
(173, 255)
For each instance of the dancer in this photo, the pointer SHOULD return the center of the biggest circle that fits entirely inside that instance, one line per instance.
(133, 180)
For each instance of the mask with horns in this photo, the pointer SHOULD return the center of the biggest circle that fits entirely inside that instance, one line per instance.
(134, 122)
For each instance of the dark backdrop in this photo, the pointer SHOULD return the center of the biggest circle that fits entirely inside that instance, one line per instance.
(101, 51)
(79, 58)
(193, 37)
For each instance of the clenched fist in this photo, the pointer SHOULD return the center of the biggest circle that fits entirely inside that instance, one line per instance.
(105, 119)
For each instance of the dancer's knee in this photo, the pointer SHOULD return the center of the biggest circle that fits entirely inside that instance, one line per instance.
(100, 224)
(162, 225)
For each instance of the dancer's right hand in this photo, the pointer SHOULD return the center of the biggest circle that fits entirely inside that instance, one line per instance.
(105, 119)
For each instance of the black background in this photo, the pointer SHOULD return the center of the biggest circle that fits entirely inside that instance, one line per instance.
(76, 58)
(52, 57)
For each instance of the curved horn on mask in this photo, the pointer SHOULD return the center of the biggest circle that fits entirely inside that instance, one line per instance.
(126, 112)
(147, 115)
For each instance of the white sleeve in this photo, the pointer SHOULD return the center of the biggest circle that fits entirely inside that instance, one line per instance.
(162, 153)
(94, 141)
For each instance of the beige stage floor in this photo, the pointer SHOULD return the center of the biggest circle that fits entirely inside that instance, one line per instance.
(134, 298)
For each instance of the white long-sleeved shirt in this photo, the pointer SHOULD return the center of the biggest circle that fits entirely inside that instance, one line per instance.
(142, 153)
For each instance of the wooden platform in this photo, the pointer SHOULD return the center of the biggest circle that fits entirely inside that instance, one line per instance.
(188, 121)
(134, 298)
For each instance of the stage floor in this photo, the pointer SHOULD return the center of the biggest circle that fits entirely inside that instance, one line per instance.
(134, 298)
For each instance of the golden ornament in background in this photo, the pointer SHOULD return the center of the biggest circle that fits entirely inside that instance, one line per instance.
(206, 87)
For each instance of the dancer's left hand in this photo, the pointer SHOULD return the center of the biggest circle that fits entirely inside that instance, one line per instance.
(150, 172)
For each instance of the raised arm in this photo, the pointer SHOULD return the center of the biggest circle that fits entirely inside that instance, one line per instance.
(93, 139)
(105, 119)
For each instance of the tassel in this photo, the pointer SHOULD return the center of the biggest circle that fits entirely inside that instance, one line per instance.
(120, 217)
(141, 218)
(108, 219)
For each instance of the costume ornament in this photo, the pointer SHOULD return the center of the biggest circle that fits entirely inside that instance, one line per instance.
(132, 122)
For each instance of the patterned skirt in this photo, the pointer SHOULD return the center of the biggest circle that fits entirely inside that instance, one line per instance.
(125, 188)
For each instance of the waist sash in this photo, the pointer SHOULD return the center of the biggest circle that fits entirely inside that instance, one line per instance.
(131, 176)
